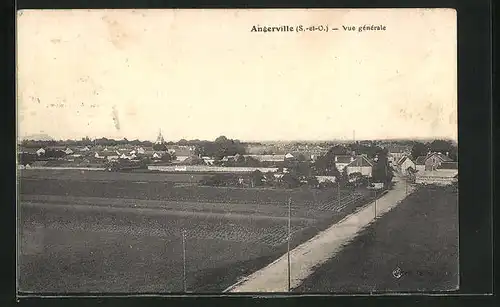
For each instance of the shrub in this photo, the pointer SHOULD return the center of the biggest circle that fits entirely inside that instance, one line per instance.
(290, 181)
(313, 182)
(327, 184)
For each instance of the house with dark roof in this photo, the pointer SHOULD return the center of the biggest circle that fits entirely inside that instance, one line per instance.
(396, 152)
(444, 173)
(360, 164)
(182, 152)
(434, 160)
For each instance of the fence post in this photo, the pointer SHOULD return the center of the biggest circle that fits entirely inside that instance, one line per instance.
(184, 259)
(289, 236)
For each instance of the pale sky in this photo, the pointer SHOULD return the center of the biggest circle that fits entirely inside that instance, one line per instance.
(199, 74)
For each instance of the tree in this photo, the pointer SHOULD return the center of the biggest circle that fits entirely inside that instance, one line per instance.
(290, 181)
(240, 160)
(313, 182)
(301, 158)
(453, 153)
(220, 148)
(442, 146)
(301, 169)
(325, 165)
(50, 153)
(327, 184)
(221, 139)
(25, 158)
(269, 177)
(144, 162)
(251, 162)
(382, 172)
(166, 157)
(344, 177)
(337, 150)
(419, 149)
(160, 147)
(256, 178)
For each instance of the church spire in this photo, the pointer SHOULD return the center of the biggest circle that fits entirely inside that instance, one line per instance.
(160, 139)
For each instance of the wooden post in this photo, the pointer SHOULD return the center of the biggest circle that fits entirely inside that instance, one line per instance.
(338, 192)
(184, 259)
(289, 236)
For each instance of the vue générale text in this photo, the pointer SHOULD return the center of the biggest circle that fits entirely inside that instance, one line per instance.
(317, 28)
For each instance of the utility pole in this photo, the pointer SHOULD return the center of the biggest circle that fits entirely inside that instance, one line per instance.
(338, 192)
(289, 236)
(184, 259)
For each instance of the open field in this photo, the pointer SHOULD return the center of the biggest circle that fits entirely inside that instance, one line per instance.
(104, 176)
(420, 237)
(158, 186)
(126, 236)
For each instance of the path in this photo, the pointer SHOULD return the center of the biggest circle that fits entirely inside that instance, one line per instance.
(305, 257)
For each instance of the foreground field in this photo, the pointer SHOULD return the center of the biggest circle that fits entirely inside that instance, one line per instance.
(80, 236)
(412, 248)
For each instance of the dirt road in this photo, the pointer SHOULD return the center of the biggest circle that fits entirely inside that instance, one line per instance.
(305, 257)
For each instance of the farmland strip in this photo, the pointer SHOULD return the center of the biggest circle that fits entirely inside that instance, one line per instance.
(163, 211)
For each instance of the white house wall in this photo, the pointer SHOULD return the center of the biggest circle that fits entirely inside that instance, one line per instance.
(420, 168)
(434, 180)
(364, 170)
(407, 163)
(341, 166)
(215, 169)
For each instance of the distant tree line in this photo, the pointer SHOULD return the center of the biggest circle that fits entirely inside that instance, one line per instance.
(442, 146)
(221, 145)
(220, 148)
(84, 142)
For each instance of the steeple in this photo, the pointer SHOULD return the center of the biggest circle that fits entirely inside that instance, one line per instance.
(160, 139)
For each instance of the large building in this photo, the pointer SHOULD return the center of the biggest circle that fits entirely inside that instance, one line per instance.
(361, 165)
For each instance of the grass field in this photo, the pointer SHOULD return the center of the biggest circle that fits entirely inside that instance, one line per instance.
(155, 189)
(104, 176)
(121, 236)
(419, 239)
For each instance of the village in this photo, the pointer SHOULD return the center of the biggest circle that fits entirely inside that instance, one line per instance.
(429, 167)
(233, 199)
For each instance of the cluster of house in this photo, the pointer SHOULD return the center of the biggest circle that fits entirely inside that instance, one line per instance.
(312, 151)
(102, 153)
(433, 168)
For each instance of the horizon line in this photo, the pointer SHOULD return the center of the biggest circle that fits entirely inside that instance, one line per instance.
(343, 140)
